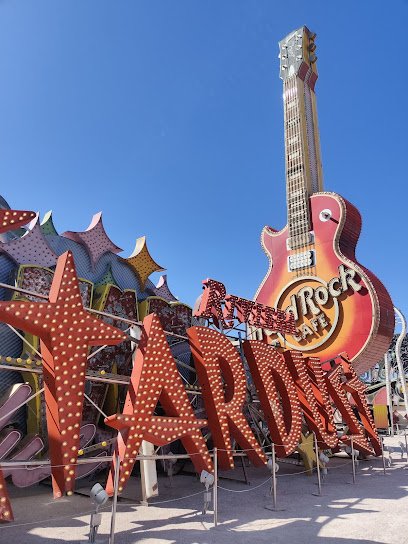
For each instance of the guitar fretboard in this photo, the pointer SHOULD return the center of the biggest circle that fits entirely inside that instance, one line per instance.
(303, 169)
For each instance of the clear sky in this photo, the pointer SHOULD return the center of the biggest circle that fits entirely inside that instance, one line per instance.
(167, 116)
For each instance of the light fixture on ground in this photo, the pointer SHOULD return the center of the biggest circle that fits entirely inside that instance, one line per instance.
(169, 465)
(98, 497)
(269, 464)
(273, 467)
(324, 460)
(402, 448)
(207, 479)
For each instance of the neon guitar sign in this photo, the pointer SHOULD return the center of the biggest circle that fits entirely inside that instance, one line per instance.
(338, 304)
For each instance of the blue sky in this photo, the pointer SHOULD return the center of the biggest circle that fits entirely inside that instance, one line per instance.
(167, 116)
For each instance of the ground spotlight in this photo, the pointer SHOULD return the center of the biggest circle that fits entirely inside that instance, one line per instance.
(98, 497)
(269, 464)
(207, 479)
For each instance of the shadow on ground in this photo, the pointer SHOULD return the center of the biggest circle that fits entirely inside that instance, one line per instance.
(372, 511)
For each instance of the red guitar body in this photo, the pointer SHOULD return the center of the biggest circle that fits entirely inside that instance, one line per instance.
(339, 305)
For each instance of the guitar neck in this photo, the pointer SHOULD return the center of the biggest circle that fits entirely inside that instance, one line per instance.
(302, 148)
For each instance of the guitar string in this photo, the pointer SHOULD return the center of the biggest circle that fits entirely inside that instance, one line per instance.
(298, 204)
(298, 215)
(297, 181)
(292, 163)
(291, 178)
(302, 227)
(303, 212)
(309, 129)
(308, 186)
(307, 177)
(312, 150)
(297, 194)
(296, 186)
(297, 189)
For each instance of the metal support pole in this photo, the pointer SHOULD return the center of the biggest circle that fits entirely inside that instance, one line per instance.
(382, 453)
(353, 460)
(115, 500)
(388, 390)
(319, 482)
(274, 475)
(274, 488)
(215, 490)
(241, 349)
(400, 366)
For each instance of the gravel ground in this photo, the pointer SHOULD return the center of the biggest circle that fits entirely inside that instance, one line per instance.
(371, 511)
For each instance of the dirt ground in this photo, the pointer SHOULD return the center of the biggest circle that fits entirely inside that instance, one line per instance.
(374, 510)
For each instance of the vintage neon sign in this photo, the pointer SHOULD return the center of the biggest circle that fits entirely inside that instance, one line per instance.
(288, 385)
(312, 261)
(308, 305)
(226, 309)
(66, 330)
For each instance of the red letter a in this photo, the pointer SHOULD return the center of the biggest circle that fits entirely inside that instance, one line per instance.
(155, 378)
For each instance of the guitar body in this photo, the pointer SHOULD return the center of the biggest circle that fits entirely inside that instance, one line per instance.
(339, 305)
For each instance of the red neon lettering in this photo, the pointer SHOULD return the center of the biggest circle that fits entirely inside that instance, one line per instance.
(244, 308)
(155, 378)
(356, 388)
(313, 396)
(217, 362)
(210, 304)
(255, 317)
(339, 396)
(277, 393)
(229, 310)
(268, 318)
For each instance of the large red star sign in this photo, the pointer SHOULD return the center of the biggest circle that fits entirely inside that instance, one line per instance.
(13, 219)
(66, 331)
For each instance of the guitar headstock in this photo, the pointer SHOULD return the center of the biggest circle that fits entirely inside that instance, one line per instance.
(297, 53)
